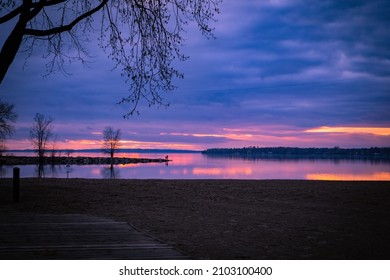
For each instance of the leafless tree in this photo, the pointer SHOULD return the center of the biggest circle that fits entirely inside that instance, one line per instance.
(111, 139)
(7, 117)
(40, 133)
(3, 148)
(143, 38)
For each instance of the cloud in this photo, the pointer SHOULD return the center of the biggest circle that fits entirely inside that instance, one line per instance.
(381, 131)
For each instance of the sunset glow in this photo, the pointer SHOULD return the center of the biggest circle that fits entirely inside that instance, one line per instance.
(381, 131)
(230, 136)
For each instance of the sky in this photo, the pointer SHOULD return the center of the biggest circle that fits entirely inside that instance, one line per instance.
(295, 73)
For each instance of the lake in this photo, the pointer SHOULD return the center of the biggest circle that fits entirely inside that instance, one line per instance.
(199, 166)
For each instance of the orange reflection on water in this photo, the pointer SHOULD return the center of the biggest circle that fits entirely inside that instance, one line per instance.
(380, 176)
(215, 171)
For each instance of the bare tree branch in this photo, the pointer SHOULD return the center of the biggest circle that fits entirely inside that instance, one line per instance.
(63, 28)
(143, 38)
(37, 7)
(11, 15)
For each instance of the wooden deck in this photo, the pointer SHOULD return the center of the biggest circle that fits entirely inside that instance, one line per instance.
(75, 237)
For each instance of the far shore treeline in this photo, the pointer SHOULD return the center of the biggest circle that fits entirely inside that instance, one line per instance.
(301, 153)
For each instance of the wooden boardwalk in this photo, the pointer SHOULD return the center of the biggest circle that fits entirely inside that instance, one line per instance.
(62, 237)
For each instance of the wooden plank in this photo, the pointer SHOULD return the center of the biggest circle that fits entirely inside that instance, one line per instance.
(94, 254)
(77, 237)
(50, 218)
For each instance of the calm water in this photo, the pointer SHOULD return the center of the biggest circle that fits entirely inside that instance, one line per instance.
(198, 166)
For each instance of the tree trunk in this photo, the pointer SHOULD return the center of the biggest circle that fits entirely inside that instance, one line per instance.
(14, 40)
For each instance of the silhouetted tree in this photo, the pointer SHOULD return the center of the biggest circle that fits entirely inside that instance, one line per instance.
(111, 139)
(3, 148)
(40, 133)
(7, 117)
(143, 38)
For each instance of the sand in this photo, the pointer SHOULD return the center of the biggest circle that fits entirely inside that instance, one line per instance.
(229, 219)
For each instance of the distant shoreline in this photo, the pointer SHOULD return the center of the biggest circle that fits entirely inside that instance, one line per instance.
(374, 153)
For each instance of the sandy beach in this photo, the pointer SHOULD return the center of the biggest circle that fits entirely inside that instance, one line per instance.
(228, 219)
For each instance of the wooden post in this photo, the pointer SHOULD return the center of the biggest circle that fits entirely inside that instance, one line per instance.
(16, 184)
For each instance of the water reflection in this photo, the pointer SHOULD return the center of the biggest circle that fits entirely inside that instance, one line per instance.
(198, 166)
(68, 169)
(3, 171)
(380, 176)
(230, 171)
(110, 172)
(40, 171)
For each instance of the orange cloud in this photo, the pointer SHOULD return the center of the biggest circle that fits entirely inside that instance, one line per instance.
(81, 144)
(227, 135)
(381, 131)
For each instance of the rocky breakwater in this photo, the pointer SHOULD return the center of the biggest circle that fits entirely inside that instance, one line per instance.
(22, 160)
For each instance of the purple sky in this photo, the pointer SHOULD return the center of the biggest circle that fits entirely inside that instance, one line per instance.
(278, 73)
